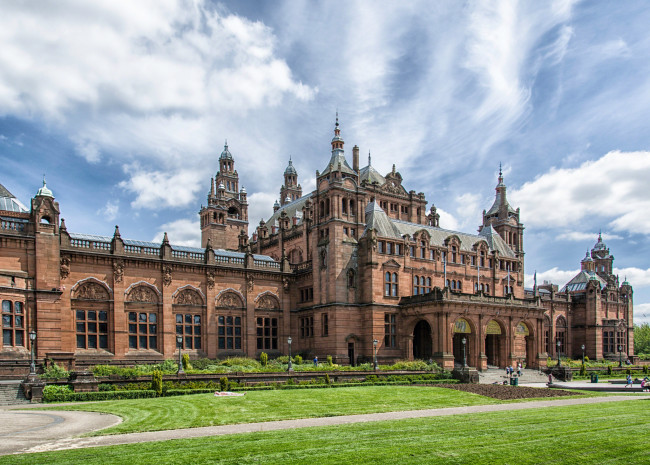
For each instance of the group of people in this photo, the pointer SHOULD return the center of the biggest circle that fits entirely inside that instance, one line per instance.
(645, 383)
(510, 371)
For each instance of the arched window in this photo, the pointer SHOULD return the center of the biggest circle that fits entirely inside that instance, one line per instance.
(458, 285)
(482, 258)
(352, 209)
(423, 249)
(547, 334)
(560, 333)
(344, 206)
(391, 288)
(321, 209)
(91, 305)
(447, 283)
(428, 284)
(453, 284)
(416, 288)
(487, 288)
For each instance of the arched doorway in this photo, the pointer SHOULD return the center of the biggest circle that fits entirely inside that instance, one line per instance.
(493, 338)
(462, 331)
(422, 343)
(524, 344)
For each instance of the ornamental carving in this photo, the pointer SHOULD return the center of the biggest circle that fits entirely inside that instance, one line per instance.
(65, 267)
(251, 283)
(118, 271)
(167, 275)
(267, 302)
(285, 284)
(189, 297)
(91, 291)
(230, 300)
(142, 294)
(210, 278)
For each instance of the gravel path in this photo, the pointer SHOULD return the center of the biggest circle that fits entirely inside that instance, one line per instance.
(46, 439)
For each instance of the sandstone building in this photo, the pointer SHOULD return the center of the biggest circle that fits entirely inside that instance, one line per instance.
(357, 260)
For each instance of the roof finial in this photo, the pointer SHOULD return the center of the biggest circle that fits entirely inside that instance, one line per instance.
(225, 144)
(337, 117)
(369, 158)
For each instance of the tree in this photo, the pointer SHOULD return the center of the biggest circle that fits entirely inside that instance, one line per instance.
(642, 339)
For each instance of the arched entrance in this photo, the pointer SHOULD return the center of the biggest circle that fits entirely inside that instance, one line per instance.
(422, 343)
(493, 338)
(462, 331)
(525, 344)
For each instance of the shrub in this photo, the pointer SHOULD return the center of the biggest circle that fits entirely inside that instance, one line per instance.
(645, 369)
(185, 392)
(264, 359)
(186, 362)
(327, 378)
(55, 371)
(329, 360)
(156, 382)
(106, 387)
(628, 371)
(69, 396)
(240, 362)
(223, 383)
(297, 360)
(583, 371)
(609, 369)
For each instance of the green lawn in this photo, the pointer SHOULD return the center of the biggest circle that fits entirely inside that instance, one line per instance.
(586, 434)
(206, 410)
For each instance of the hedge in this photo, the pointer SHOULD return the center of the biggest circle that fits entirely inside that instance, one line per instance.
(93, 396)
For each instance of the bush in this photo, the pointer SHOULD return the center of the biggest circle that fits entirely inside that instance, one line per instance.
(264, 359)
(223, 383)
(297, 360)
(185, 392)
(69, 396)
(106, 387)
(55, 371)
(156, 382)
(186, 362)
(329, 360)
(583, 371)
(327, 378)
(645, 369)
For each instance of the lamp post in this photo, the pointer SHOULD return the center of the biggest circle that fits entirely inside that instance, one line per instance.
(583, 354)
(179, 343)
(374, 344)
(464, 341)
(290, 368)
(32, 364)
(559, 361)
(620, 356)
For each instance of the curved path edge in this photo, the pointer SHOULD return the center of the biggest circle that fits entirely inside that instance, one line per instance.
(131, 438)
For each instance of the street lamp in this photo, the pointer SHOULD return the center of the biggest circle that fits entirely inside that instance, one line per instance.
(290, 368)
(620, 356)
(32, 365)
(464, 341)
(559, 362)
(583, 354)
(179, 343)
(374, 344)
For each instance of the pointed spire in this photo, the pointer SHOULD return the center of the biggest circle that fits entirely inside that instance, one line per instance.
(44, 191)
(369, 161)
(62, 227)
(116, 234)
(165, 239)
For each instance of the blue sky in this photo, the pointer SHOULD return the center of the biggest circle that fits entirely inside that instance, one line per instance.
(125, 107)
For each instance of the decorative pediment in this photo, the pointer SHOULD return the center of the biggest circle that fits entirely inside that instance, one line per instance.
(453, 239)
(230, 298)
(91, 289)
(480, 244)
(391, 264)
(142, 292)
(188, 295)
(267, 301)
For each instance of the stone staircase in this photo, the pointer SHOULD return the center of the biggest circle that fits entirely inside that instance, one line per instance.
(11, 393)
(498, 375)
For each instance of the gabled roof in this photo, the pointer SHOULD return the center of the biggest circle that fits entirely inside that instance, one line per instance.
(579, 282)
(8, 202)
(385, 226)
(338, 157)
(292, 209)
(370, 175)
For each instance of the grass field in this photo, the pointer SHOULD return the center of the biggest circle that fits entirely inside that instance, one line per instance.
(206, 410)
(586, 434)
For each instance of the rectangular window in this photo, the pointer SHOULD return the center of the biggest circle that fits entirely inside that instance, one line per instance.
(92, 329)
(412, 251)
(380, 247)
(188, 326)
(143, 330)
(431, 255)
(229, 332)
(13, 323)
(306, 326)
(325, 329)
(267, 333)
(389, 248)
(390, 330)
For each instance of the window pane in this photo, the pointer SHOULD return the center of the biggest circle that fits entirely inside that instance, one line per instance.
(237, 330)
(179, 319)
(188, 342)
(228, 320)
(179, 329)
(222, 342)
(229, 342)
(103, 316)
(153, 329)
(133, 342)
(6, 306)
(6, 321)
(81, 327)
(188, 319)
(19, 321)
(153, 342)
(197, 330)
(188, 330)
(133, 328)
(103, 341)
(81, 315)
(237, 320)
(92, 341)
(92, 327)
(92, 315)
(18, 307)
(229, 330)
(197, 319)
(143, 342)
(197, 342)
(20, 338)
(237, 343)
(132, 316)
(152, 318)
(81, 341)
(222, 330)
(221, 319)
(142, 317)
(143, 329)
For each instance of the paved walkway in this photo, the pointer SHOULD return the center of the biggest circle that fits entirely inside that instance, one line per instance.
(58, 434)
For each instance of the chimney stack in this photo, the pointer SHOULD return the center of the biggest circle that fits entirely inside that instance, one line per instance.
(355, 158)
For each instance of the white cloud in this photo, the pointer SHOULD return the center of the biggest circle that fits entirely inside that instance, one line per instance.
(637, 277)
(180, 232)
(260, 207)
(612, 189)
(554, 275)
(641, 314)
(153, 188)
(447, 220)
(110, 210)
(577, 236)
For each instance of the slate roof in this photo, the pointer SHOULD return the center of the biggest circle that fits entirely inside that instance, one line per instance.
(370, 175)
(8, 202)
(387, 227)
(292, 208)
(579, 281)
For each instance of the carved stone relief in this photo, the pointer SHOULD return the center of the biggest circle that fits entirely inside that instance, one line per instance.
(267, 302)
(251, 283)
(230, 300)
(65, 267)
(189, 297)
(167, 275)
(91, 291)
(142, 294)
(210, 279)
(118, 271)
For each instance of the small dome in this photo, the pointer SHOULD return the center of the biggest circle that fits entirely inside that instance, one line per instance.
(290, 169)
(600, 245)
(587, 258)
(225, 155)
(288, 199)
(276, 204)
(44, 191)
(242, 190)
(221, 186)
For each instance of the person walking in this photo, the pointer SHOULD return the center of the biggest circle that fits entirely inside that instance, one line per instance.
(316, 361)
(629, 381)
